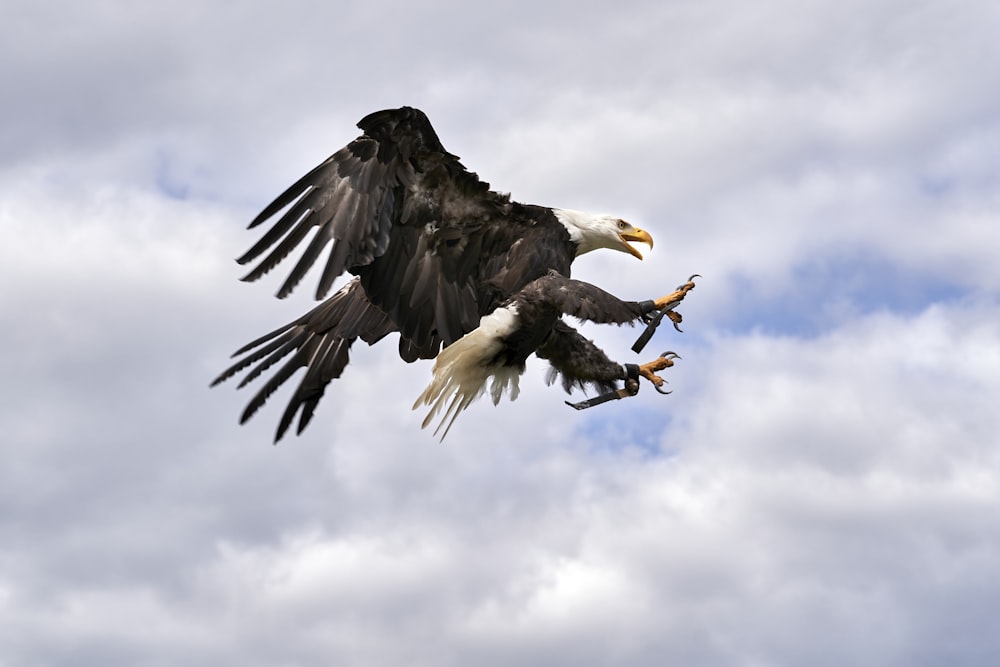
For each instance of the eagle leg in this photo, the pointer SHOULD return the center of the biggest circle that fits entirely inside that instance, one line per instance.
(648, 371)
(669, 302)
(657, 308)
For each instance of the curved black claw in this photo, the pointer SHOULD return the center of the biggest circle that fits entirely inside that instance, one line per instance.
(677, 321)
(689, 280)
(670, 356)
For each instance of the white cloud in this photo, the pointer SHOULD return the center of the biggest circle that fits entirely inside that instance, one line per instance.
(818, 490)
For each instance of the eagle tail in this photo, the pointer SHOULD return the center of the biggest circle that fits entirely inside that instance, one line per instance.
(463, 369)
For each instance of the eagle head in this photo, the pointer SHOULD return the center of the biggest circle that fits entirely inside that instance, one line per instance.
(591, 232)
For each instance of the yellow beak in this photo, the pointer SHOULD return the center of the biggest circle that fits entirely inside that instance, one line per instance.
(635, 236)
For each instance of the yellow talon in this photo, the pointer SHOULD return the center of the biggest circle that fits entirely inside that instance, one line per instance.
(648, 371)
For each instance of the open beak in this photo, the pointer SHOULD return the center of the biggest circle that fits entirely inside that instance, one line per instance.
(635, 236)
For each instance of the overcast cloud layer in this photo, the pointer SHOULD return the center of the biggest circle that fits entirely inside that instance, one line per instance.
(822, 487)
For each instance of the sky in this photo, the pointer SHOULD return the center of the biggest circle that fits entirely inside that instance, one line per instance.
(822, 487)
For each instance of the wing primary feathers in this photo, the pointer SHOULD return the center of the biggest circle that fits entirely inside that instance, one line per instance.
(316, 246)
(279, 229)
(299, 232)
(303, 357)
(307, 389)
(330, 363)
(273, 353)
(318, 341)
(292, 193)
(334, 267)
(253, 358)
(243, 363)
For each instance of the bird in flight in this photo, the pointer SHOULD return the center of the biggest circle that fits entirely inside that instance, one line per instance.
(463, 274)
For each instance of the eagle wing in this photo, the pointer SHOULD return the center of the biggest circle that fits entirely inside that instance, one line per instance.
(399, 211)
(320, 342)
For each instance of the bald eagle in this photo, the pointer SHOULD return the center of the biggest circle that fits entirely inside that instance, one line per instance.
(462, 273)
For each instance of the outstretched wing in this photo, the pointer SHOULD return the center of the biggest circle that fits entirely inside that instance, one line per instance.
(319, 341)
(399, 211)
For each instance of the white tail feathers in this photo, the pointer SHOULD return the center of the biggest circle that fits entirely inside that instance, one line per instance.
(462, 369)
